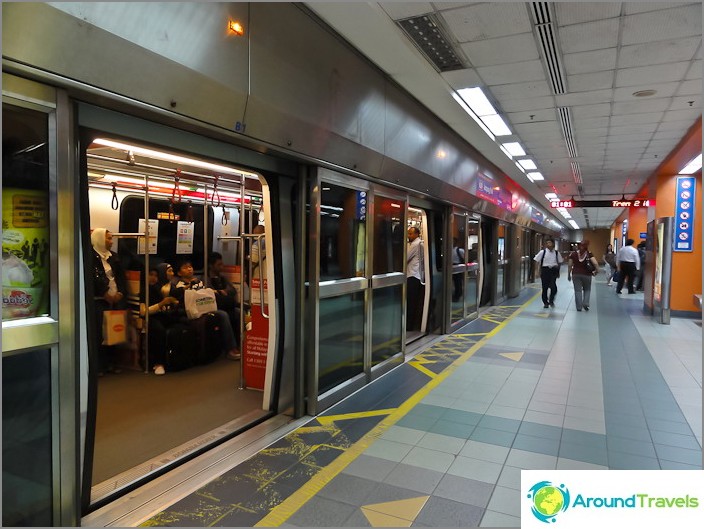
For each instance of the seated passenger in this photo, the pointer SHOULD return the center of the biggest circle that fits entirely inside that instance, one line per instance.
(225, 292)
(160, 311)
(187, 281)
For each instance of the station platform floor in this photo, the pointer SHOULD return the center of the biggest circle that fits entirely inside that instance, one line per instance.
(441, 440)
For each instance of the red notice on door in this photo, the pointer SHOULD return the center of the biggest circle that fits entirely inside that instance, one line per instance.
(256, 341)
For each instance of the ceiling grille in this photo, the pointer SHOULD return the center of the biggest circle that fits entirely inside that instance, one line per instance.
(545, 30)
(427, 34)
(567, 132)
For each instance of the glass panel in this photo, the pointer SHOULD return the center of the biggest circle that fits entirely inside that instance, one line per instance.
(470, 293)
(457, 310)
(341, 338)
(343, 214)
(386, 323)
(26, 440)
(25, 213)
(473, 241)
(389, 235)
(500, 282)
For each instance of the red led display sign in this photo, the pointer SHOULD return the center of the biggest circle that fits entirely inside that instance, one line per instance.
(632, 203)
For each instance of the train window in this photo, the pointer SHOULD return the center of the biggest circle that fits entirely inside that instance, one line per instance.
(25, 213)
(389, 235)
(343, 233)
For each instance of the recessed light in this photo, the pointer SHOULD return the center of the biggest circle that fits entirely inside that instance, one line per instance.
(645, 93)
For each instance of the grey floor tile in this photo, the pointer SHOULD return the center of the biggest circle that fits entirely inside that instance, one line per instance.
(564, 463)
(356, 519)
(390, 450)
(674, 439)
(630, 446)
(385, 492)
(414, 478)
(505, 500)
(467, 467)
(400, 434)
(321, 512)
(427, 410)
(441, 512)
(510, 477)
(348, 489)
(463, 490)
(461, 416)
(499, 423)
(368, 467)
(584, 452)
(442, 443)
(580, 437)
(621, 461)
(680, 455)
(417, 422)
(669, 426)
(453, 429)
(498, 519)
(530, 460)
(674, 465)
(537, 444)
(489, 436)
(540, 430)
(639, 433)
(485, 451)
(429, 459)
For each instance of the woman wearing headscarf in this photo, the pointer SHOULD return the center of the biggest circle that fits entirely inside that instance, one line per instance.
(580, 270)
(160, 312)
(109, 289)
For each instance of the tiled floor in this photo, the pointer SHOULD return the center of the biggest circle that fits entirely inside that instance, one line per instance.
(554, 389)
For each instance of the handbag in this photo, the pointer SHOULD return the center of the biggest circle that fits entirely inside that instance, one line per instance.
(589, 265)
(114, 327)
(199, 302)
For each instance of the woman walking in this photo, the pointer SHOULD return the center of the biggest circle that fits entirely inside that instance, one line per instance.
(580, 270)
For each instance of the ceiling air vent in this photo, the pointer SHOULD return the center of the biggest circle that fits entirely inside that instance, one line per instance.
(566, 124)
(427, 35)
(547, 39)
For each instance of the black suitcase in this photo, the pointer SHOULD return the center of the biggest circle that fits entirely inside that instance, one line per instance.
(211, 340)
(181, 347)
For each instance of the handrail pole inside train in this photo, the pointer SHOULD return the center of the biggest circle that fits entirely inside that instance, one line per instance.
(243, 181)
(205, 235)
(146, 272)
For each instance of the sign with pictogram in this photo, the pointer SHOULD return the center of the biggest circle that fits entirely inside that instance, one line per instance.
(685, 205)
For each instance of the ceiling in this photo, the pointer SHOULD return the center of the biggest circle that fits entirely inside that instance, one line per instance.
(580, 85)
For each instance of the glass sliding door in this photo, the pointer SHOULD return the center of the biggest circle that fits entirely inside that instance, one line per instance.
(471, 291)
(459, 267)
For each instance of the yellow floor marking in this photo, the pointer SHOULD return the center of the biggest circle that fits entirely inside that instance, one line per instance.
(516, 357)
(293, 503)
(405, 509)
(542, 315)
(422, 369)
(327, 419)
(377, 519)
(316, 429)
(489, 319)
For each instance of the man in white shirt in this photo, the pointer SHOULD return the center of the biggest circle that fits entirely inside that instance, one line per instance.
(415, 289)
(548, 261)
(628, 264)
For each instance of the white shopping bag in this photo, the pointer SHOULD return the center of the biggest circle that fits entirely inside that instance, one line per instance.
(199, 302)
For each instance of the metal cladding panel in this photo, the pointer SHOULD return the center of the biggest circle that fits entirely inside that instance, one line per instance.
(311, 92)
(152, 53)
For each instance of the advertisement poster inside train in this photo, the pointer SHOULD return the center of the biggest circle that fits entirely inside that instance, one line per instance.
(256, 341)
(153, 235)
(184, 238)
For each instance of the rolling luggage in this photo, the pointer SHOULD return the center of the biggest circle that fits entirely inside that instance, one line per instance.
(182, 347)
(210, 339)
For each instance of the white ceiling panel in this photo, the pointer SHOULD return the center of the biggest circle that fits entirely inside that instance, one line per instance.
(693, 87)
(666, 145)
(686, 102)
(667, 135)
(633, 119)
(591, 133)
(547, 114)
(590, 81)
(576, 12)
(635, 107)
(504, 50)
(638, 146)
(620, 138)
(662, 90)
(591, 111)
(401, 10)
(583, 98)
(512, 73)
(533, 103)
(590, 123)
(590, 61)
(589, 36)
(632, 8)
(659, 52)
(682, 115)
(519, 90)
(538, 127)
(486, 21)
(695, 71)
(678, 22)
(675, 125)
(462, 78)
(643, 75)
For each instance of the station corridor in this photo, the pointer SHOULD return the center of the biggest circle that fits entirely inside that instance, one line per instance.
(441, 441)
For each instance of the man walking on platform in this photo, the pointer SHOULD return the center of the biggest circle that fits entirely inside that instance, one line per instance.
(548, 261)
(628, 264)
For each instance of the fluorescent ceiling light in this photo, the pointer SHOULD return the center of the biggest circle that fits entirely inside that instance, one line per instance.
(477, 101)
(551, 196)
(521, 168)
(159, 155)
(468, 110)
(536, 176)
(693, 166)
(574, 224)
(496, 125)
(506, 153)
(514, 148)
(527, 164)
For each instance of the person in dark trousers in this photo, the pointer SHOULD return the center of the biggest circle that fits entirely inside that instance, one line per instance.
(415, 288)
(628, 264)
(548, 261)
(580, 273)
(457, 279)
(641, 256)
(225, 292)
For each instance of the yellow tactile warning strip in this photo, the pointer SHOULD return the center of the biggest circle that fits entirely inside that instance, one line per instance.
(516, 357)
(269, 488)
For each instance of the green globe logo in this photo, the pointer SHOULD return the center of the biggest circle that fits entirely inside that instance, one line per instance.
(548, 500)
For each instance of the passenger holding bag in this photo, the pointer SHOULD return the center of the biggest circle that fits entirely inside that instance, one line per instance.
(582, 267)
(199, 302)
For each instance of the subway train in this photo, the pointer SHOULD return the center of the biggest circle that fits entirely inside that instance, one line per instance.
(180, 137)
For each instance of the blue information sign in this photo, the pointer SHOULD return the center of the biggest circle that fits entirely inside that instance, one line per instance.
(685, 209)
(361, 205)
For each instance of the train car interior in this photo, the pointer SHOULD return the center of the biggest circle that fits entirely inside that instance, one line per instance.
(212, 217)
